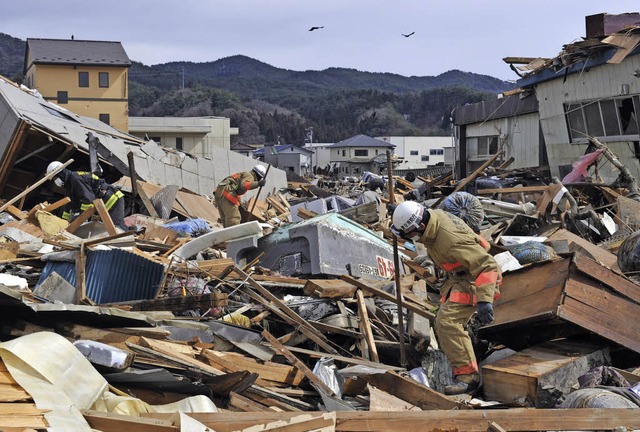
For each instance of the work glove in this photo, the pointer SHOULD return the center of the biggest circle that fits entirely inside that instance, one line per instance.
(262, 182)
(423, 261)
(484, 313)
(412, 195)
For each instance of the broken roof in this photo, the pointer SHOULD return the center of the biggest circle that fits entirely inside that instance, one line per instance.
(75, 52)
(604, 44)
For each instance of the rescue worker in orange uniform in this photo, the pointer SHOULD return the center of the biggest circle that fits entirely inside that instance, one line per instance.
(472, 285)
(227, 193)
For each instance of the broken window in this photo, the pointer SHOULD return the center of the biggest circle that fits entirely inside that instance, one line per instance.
(344, 152)
(83, 79)
(361, 152)
(605, 118)
(105, 118)
(487, 146)
(178, 143)
(103, 79)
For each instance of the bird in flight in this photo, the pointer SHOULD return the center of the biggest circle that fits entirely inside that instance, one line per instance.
(407, 35)
(316, 28)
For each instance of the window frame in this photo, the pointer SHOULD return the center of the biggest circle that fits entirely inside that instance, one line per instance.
(105, 116)
(603, 119)
(361, 152)
(62, 97)
(414, 153)
(101, 77)
(83, 79)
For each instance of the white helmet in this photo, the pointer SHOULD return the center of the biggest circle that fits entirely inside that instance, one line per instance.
(406, 218)
(260, 171)
(53, 166)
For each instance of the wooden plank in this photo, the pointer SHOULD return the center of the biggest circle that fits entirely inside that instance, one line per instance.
(57, 204)
(524, 189)
(412, 391)
(182, 303)
(104, 215)
(599, 254)
(619, 284)
(365, 327)
(543, 374)
(382, 401)
(329, 288)
(16, 212)
(306, 214)
(81, 286)
(297, 363)
(268, 370)
(245, 404)
(514, 419)
(531, 292)
(610, 316)
(464, 182)
(385, 295)
(82, 218)
(106, 422)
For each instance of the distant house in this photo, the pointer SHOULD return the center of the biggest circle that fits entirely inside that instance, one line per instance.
(420, 151)
(358, 154)
(287, 157)
(321, 155)
(245, 149)
(197, 136)
(89, 78)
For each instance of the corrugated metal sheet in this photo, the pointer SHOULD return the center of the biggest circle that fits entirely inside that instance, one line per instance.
(112, 275)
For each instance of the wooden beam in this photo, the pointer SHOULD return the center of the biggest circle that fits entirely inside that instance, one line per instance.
(464, 182)
(295, 361)
(182, 303)
(104, 215)
(82, 218)
(524, 189)
(117, 423)
(57, 204)
(412, 391)
(347, 360)
(365, 327)
(81, 288)
(513, 419)
(385, 295)
(16, 212)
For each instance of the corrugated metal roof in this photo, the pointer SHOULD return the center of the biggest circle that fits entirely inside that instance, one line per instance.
(112, 275)
(495, 109)
(67, 51)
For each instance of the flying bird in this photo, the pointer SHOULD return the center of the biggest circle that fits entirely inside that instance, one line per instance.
(407, 35)
(316, 28)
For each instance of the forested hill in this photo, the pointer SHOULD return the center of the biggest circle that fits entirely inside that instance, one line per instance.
(268, 104)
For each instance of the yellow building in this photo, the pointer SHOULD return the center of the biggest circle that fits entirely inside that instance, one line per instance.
(89, 78)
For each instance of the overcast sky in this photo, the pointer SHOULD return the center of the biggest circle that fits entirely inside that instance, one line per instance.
(470, 35)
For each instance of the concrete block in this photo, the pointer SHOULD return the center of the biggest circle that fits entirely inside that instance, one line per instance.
(153, 150)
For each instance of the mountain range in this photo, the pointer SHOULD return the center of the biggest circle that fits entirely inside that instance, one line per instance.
(270, 104)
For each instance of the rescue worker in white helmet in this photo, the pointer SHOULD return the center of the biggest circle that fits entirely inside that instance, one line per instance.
(83, 188)
(472, 285)
(227, 193)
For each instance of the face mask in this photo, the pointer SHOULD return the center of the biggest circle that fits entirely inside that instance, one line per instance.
(58, 182)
